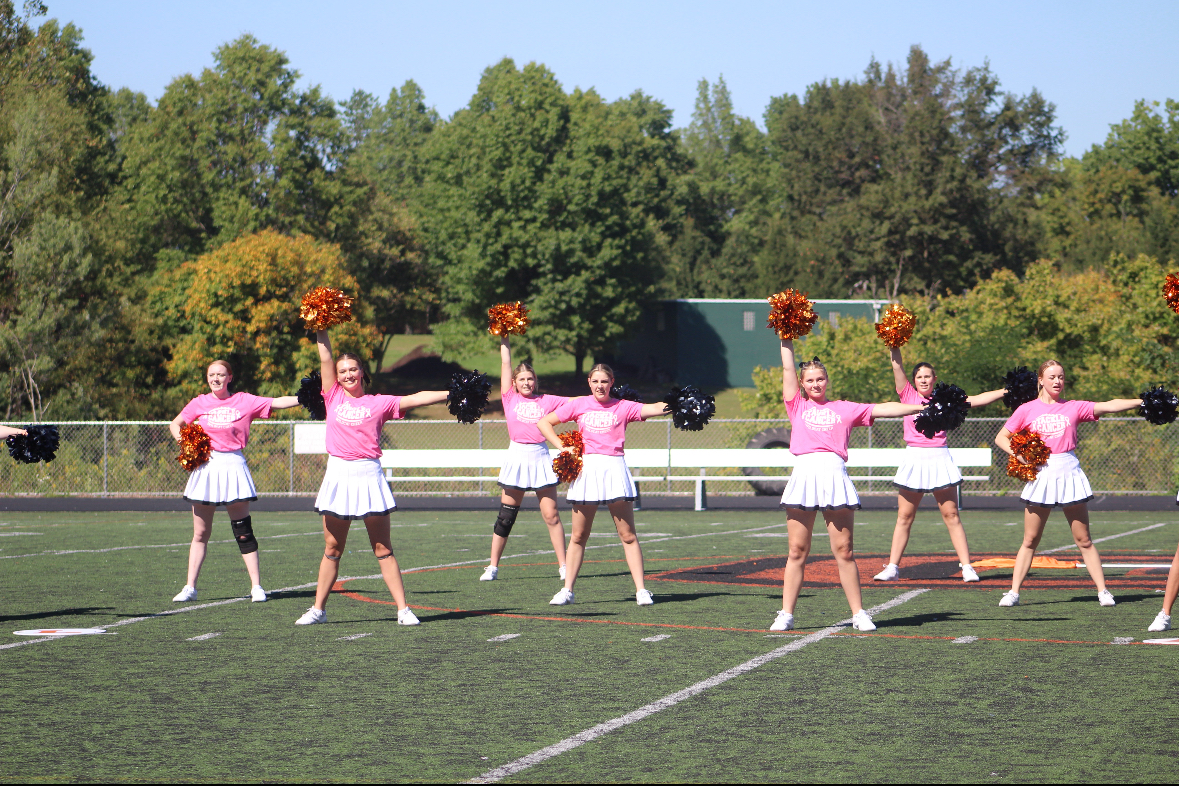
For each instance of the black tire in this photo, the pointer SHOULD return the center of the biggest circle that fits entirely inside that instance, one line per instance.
(770, 439)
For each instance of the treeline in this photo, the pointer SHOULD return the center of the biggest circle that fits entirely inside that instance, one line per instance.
(137, 241)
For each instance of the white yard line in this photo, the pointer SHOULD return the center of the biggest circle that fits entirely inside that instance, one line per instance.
(56, 553)
(568, 744)
(1107, 537)
(204, 637)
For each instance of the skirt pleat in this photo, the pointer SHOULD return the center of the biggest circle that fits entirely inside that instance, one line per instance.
(354, 489)
(529, 467)
(1060, 482)
(222, 480)
(820, 482)
(603, 479)
(927, 469)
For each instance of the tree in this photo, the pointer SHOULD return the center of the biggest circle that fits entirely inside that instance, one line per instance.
(1147, 141)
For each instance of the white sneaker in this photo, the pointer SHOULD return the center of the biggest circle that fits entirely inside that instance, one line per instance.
(968, 573)
(312, 617)
(561, 572)
(1106, 598)
(186, 594)
(489, 573)
(257, 594)
(1161, 622)
(862, 622)
(784, 621)
(643, 598)
(891, 572)
(562, 598)
(407, 617)
(1009, 599)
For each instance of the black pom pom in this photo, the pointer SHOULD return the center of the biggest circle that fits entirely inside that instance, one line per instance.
(40, 445)
(469, 391)
(625, 392)
(1021, 387)
(945, 410)
(310, 395)
(690, 409)
(1159, 406)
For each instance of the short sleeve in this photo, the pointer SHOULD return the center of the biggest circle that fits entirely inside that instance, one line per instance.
(909, 395)
(390, 408)
(260, 407)
(634, 411)
(793, 404)
(862, 414)
(190, 412)
(567, 410)
(1016, 421)
(334, 395)
(1085, 412)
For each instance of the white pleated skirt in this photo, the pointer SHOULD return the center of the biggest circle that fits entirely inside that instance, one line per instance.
(1060, 482)
(354, 489)
(222, 480)
(927, 469)
(603, 479)
(820, 482)
(529, 467)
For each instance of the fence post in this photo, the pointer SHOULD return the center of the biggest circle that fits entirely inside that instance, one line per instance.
(668, 468)
(105, 452)
(701, 493)
(291, 461)
(482, 471)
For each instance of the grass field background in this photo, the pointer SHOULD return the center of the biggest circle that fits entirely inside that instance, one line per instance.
(267, 700)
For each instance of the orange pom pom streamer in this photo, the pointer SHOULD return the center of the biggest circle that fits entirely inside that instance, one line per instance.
(194, 446)
(1029, 446)
(507, 318)
(895, 328)
(324, 307)
(1171, 291)
(567, 465)
(791, 314)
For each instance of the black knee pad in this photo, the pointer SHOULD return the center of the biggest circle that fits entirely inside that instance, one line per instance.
(505, 520)
(243, 533)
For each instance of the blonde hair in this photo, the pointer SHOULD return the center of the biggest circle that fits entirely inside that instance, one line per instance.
(603, 368)
(1047, 364)
(521, 367)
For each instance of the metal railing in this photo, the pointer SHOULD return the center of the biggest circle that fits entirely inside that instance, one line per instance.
(138, 458)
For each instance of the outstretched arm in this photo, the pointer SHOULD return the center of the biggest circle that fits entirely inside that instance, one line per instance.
(505, 366)
(789, 370)
(423, 399)
(982, 399)
(895, 409)
(327, 363)
(546, 426)
(898, 370)
(8, 431)
(654, 410)
(284, 402)
(1115, 405)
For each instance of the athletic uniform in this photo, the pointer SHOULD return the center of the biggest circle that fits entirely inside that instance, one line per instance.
(1062, 481)
(604, 477)
(529, 466)
(353, 485)
(224, 478)
(927, 464)
(819, 435)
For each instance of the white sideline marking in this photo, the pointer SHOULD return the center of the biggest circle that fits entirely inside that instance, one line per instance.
(10, 534)
(660, 637)
(505, 637)
(965, 640)
(353, 637)
(56, 553)
(1124, 640)
(204, 637)
(1107, 537)
(523, 763)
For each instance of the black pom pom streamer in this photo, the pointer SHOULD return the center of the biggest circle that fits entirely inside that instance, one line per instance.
(690, 409)
(40, 445)
(1021, 387)
(469, 391)
(310, 395)
(1159, 406)
(625, 392)
(945, 410)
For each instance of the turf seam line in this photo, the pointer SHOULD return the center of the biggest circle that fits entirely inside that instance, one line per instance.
(1107, 537)
(590, 734)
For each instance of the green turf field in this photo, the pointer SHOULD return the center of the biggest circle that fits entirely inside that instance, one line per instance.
(1038, 692)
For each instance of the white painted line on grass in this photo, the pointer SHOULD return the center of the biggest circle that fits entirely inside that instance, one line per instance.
(1107, 537)
(10, 534)
(505, 637)
(353, 637)
(58, 553)
(590, 734)
(1124, 640)
(660, 637)
(204, 637)
(965, 640)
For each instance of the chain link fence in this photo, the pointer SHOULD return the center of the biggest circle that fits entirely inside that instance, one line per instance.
(138, 458)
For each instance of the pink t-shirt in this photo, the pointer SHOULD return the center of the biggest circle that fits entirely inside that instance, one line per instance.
(912, 436)
(226, 420)
(1055, 423)
(354, 424)
(603, 427)
(824, 428)
(524, 413)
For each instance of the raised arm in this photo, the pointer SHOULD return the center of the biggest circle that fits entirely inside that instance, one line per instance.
(284, 402)
(327, 363)
(8, 431)
(898, 370)
(982, 399)
(654, 410)
(789, 371)
(546, 426)
(1115, 405)
(895, 409)
(505, 366)
(423, 398)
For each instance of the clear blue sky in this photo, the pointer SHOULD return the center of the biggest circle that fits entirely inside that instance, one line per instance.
(1093, 60)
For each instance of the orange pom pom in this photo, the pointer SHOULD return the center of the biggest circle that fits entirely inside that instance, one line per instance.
(567, 465)
(507, 318)
(324, 307)
(1029, 446)
(791, 314)
(1171, 291)
(573, 439)
(194, 446)
(895, 328)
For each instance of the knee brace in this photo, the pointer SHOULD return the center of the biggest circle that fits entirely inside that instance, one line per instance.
(505, 520)
(329, 556)
(243, 532)
(387, 556)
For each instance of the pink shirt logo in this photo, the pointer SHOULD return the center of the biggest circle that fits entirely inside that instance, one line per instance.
(820, 419)
(528, 411)
(598, 422)
(222, 417)
(1050, 425)
(352, 415)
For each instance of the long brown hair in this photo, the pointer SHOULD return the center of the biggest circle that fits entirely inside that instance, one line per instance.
(1047, 364)
(603, 368)
(224, 364)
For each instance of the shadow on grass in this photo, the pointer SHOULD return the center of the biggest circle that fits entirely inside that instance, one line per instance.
(917, 620)
(40, 615)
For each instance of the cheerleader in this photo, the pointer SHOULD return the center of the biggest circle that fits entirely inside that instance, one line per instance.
(1061, 482)
(1163, 620)
(225, 478)
(819, 434)
(605, 478)
(926, 468)
(353, 485)
(529, 466)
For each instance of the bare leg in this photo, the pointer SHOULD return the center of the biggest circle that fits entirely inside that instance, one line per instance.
(839, 528)
(624, 521)
(513, 497)
(202, 527)
(1078, 522)
(238, 511)
(1034, 519)
(1172, 584)
(907, 502)
(583, 523)
(382, 543)
(947, 501)
(547, 498)
(335, 537)
(798, 527)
